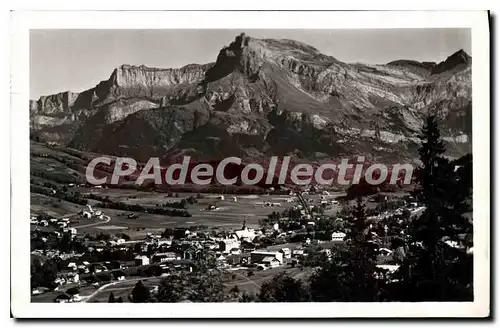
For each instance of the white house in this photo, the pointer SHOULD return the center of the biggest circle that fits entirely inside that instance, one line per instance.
(62, 224)
(259, 255)
(388, 268)
(453, 244)
(221, 261)
(72, 266)
(227, 245)
(271, 261)
(235, 251)
(73, 277)
(298, 251)
(165, 257)
(141, 260)
(287, 253)
(338, 236)
(164, 241)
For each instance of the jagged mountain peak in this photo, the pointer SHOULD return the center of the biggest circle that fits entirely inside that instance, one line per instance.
(462, 54)
(457, 60)
(247, 55)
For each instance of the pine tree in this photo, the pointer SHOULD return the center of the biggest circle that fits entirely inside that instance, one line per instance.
(431, 189)
(430, 272)
(140, 293)
(358, 234)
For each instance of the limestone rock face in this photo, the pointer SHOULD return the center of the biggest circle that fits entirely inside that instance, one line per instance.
(141, 81)
(61, 102)
(261, 97)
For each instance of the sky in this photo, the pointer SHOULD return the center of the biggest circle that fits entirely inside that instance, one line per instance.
(76, 60)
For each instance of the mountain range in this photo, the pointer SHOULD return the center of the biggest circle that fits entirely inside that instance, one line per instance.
(264, 97)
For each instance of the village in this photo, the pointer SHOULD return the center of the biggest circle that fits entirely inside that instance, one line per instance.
(293, 237)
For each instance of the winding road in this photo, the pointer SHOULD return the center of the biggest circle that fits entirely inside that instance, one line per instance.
(115, 283)
(94, 224)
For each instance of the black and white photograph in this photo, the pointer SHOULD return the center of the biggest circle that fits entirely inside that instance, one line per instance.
(233, 166)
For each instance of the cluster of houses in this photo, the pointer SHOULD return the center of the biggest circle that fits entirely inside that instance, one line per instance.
(62, 225)
(414, 209)
(227, 249)
(227, 253)
(91, 214)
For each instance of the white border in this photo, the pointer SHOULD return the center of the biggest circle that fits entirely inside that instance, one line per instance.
(21, 22)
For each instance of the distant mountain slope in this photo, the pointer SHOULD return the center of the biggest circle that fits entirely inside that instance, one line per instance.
(262, 97)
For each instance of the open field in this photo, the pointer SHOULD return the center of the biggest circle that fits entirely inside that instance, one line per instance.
(252, 284)
(230, 214)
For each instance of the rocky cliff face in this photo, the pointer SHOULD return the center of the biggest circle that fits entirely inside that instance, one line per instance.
(262, 97)
(153, 83)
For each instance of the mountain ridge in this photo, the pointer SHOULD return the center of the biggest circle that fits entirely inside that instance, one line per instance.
(265, 94)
